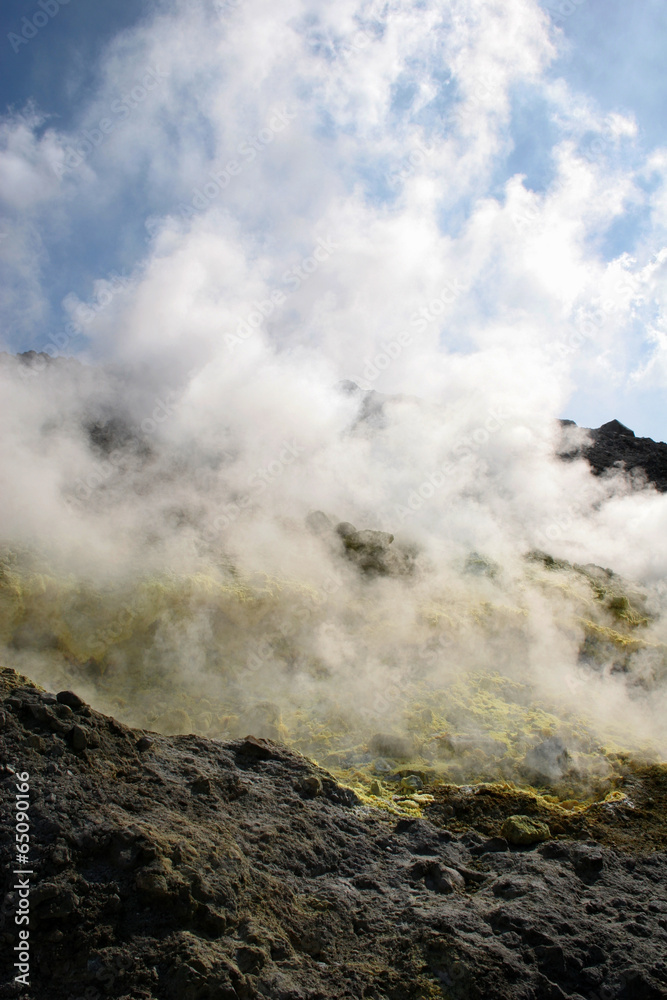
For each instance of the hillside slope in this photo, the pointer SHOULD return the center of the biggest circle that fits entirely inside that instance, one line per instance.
(181, 868)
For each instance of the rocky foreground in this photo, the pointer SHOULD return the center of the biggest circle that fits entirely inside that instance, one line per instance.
(180, 868)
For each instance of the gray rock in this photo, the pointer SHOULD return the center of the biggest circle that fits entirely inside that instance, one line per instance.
(70, 699)
(36, 742)
(311, 786)
(79, 737)
(439, 878)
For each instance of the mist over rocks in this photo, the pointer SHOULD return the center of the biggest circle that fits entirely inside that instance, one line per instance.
(614, 446)
(219, 555)
(351, 260)
(372, 552)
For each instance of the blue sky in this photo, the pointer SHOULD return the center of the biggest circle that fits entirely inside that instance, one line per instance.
(58, 67)
(616, 54)
(562, 108)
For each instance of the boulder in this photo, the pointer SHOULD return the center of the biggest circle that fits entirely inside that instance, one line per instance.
(521, 831)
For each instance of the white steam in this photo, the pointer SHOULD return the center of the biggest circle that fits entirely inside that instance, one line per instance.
(332, 218)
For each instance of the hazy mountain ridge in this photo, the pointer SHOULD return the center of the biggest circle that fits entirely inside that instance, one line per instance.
(613, 446)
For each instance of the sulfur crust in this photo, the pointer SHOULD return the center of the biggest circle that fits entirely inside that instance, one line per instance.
(103, 634)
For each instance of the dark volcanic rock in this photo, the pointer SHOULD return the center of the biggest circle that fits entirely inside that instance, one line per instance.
(180, 868)
(372, 552)
(615, 446)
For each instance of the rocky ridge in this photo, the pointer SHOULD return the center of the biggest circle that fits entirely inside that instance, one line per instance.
(614, 446)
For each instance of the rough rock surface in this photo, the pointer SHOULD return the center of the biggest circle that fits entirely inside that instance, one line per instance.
(372, 552)
(180, 868)
(616, 446)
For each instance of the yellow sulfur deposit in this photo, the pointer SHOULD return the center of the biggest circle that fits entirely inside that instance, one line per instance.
(329, 673)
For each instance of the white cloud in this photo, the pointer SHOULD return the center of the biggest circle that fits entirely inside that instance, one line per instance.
(184, 116)
(376, 235)
(29, 157)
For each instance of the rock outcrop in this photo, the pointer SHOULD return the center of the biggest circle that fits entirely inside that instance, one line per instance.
(180, 868)
(614, 446)
(372, 552)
